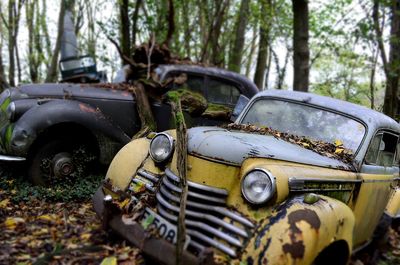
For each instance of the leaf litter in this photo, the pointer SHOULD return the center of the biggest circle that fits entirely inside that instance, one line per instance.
(39, 231)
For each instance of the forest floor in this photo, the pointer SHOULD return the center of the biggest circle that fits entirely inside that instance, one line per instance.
(48, 226)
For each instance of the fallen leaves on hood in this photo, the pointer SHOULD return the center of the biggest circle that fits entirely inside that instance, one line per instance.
(332, 150)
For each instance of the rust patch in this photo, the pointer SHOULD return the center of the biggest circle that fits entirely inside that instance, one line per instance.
(85, 108)
(306, 215)
(296, 248)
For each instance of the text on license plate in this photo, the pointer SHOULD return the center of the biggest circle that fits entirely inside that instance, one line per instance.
(164, 228)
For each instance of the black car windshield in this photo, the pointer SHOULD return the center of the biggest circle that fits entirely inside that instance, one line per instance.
(305, 120)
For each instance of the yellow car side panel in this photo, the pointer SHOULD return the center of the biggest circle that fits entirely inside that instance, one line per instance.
(393, 206)
(296, 232)
(371, 201)
(127, 161)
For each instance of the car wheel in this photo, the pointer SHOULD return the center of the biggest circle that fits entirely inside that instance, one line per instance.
(59, 160)
(382, 231)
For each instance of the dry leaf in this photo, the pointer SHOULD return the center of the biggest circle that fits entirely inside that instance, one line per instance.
(109, 261)
(12, 222)
(4, 203)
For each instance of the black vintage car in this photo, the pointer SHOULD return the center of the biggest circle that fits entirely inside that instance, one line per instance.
(46, 125)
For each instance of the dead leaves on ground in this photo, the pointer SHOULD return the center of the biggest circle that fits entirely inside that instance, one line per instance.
(38, 232)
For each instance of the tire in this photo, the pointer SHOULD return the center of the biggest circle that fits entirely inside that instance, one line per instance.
(59, 160)
(382, 230)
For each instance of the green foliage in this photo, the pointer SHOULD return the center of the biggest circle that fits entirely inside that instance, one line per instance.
(80, 190)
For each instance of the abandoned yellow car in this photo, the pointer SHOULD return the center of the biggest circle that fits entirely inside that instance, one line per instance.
(297, 179)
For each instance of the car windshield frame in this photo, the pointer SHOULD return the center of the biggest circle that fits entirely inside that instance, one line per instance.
(317, 107)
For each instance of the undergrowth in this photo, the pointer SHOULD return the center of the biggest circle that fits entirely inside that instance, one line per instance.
(20, 189)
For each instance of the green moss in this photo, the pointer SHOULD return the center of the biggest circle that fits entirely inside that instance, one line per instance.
(175, 95)
(217, 107)
(179, 118)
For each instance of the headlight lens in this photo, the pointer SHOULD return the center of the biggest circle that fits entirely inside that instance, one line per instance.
(161, 147)
(258, 186)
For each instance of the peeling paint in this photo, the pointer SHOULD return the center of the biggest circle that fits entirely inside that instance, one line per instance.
(86, 108)
(296, 248)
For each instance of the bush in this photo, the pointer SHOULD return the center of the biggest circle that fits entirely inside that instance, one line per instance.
(19, 189)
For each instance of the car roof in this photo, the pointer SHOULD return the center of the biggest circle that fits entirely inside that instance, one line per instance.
(373, 119)
(251, 88)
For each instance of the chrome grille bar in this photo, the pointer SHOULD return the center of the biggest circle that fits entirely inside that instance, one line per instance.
(217, 191)
(203, 237)
(151, 177)
(147, 185)
(204, 227)
(216, 209)
(191, 193)
(207, 217)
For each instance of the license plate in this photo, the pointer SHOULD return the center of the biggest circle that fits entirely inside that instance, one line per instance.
(165, 229)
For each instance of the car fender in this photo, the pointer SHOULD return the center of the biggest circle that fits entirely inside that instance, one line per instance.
(39, 118)
(126, 163)
(298, 229)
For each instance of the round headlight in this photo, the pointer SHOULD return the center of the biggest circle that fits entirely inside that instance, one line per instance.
(161, 147)
(258, 186)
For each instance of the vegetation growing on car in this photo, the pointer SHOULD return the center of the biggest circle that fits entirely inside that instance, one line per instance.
(332, 150)
(217, 111)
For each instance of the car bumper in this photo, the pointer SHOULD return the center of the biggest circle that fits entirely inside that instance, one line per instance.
(6, 158)
(153, 247)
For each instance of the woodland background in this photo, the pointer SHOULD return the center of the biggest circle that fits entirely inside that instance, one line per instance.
(347, 49)
(344, 49)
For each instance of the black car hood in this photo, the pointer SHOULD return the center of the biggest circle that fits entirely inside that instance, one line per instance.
(66, 90)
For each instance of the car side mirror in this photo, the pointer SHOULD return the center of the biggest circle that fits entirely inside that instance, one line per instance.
(240, 104)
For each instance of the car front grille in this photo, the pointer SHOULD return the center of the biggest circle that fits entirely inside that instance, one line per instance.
(208, 222)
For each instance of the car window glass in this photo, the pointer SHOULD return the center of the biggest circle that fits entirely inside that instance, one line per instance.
(396, 161)
(372, 154)
(382, 150)
(307, 121)
(221, 92)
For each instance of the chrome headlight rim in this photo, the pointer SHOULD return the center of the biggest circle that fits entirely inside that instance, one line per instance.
(271, 179)
(172, 147)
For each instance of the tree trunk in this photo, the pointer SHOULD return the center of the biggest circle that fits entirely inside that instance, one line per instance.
(372, 78)
(181, 150)
(91, 33)
(52, 70)
(235, 58)
(134, 22)
(45, 31)
(263, 45)
(215, 32)
(125, 28)
(301, 52)
(30, 11)
(253, 46)
(170, 22)
(3, 80)
(390, 105)
(11, 42)
(186, 27)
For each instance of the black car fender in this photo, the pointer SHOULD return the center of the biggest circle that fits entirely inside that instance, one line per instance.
(41, 117)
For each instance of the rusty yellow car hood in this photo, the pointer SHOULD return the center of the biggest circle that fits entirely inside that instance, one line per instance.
(234, 147)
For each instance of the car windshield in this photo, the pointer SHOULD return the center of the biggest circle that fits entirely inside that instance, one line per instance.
(305, 120)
